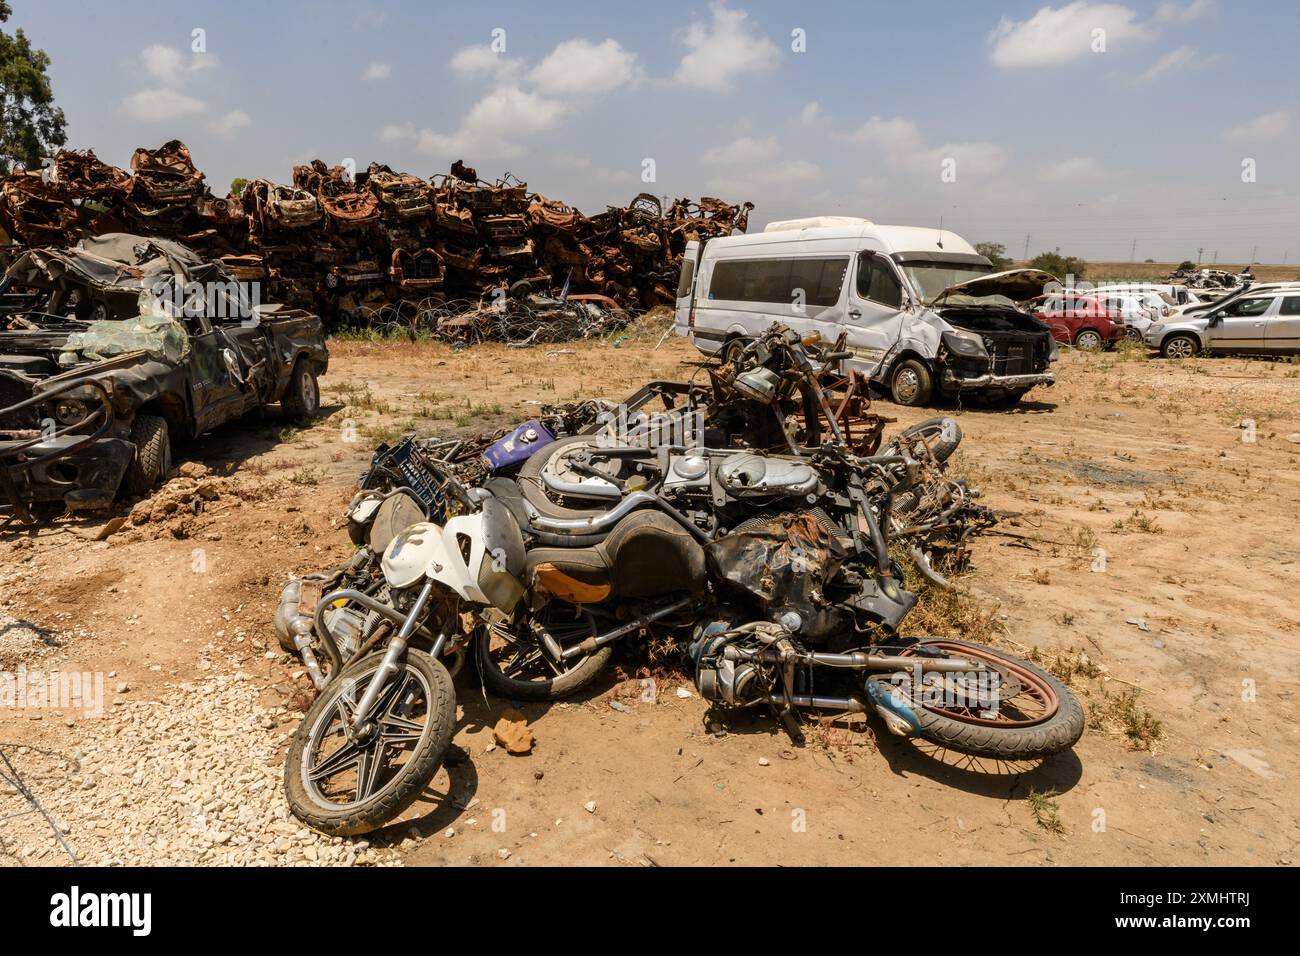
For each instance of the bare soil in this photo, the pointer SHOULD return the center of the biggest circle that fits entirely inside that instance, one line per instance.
(1150, 553)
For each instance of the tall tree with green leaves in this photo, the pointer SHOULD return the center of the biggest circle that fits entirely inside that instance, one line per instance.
(31, 126)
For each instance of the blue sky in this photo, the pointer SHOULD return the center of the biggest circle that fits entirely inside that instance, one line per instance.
(1081, 140)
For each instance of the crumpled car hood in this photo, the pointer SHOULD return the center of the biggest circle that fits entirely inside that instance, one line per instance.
(1015, 284)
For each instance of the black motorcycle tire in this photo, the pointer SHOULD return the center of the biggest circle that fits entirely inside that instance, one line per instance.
(1059, 732)
(565, 685)
(941, 446)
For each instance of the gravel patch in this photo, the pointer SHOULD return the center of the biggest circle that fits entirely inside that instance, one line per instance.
(191, 779)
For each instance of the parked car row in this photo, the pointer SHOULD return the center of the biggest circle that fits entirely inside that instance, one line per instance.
(1259, 320)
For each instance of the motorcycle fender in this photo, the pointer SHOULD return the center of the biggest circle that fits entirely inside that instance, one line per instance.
(420, 550)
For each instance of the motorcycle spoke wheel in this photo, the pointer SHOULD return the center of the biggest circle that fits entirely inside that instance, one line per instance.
(517, 666)
(520, 656)
(1024, 700)
(339, 771)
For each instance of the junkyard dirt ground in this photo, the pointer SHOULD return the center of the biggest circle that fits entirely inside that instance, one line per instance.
(1149, 537)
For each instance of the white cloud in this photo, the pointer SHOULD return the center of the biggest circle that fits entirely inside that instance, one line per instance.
(230, 124)
(171, 67)
(1075, 169)
(522, 103)
(1170, 11)
(903, 146)
(580, 67)
(753, 165)
(723, 49)
(480, 60)
(743, 150)
(399, 133)
(810, 113)
(894, 135)
(1052, 37)
(1269, 126)
(377, 71)
(977, 159)
(159, 105)
(482, 133)
(1173, 60)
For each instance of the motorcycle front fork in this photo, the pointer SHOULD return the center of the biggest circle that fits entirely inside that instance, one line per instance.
(361, 725)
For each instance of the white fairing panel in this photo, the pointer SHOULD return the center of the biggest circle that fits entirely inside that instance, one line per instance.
(455, 555)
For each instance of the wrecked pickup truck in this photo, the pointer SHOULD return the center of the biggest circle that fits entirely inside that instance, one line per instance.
(111, 350)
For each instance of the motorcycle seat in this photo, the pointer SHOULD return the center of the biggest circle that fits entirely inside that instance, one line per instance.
(645, 554)
(508, 492)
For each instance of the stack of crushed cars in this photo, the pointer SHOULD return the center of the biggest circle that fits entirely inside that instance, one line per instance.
(384, 248)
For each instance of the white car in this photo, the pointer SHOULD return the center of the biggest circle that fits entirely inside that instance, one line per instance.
(1257, 321)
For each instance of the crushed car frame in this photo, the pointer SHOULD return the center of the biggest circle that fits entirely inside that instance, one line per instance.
(111, 350)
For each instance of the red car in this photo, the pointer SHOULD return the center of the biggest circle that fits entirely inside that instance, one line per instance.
(1084, 321)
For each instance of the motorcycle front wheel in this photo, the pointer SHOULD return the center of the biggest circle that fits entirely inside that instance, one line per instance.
(1035, 714)
(343, 787)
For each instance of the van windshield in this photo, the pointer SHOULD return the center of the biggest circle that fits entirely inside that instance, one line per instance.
(931, 279)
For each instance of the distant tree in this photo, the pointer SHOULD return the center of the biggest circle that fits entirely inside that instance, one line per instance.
(1059, 265)
(994, 252)
(1186, 265)
(1148, 260)
(31, 126)
(237, 185)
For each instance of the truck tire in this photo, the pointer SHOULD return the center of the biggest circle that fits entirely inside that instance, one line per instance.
(301, 399)
(153, 454)
(911, 383)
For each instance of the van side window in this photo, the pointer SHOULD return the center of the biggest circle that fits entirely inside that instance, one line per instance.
(820, 279)
(877, 281)
(688, 276)
(774, 281)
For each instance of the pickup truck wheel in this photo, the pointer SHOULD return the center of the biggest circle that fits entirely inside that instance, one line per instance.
(153, 454)
(301, 399)
(911, 383)
(1180, 347)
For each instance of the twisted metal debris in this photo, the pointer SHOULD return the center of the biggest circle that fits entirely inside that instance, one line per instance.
(455, 257)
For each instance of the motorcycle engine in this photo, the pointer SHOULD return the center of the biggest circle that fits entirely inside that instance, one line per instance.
(747, 475)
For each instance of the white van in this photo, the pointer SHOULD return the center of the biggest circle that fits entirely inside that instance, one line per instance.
(924, 312)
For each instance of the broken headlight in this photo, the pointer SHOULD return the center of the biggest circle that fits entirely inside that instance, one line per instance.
(965, 345)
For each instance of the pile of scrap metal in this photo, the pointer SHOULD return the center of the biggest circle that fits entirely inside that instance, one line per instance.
(1211, 279)
(382, 245)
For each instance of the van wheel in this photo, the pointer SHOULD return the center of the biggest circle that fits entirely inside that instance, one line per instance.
(153, 454)
(731, 351)
(1180, 347)
(911, 384)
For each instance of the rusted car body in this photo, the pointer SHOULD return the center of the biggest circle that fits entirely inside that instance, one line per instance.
(124, 332)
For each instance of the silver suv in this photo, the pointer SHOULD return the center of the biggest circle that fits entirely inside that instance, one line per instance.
(1261, 320)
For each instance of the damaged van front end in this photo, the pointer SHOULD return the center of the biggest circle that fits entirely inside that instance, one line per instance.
(970, 339)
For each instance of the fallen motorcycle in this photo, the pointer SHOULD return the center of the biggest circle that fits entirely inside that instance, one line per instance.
(750, 521)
